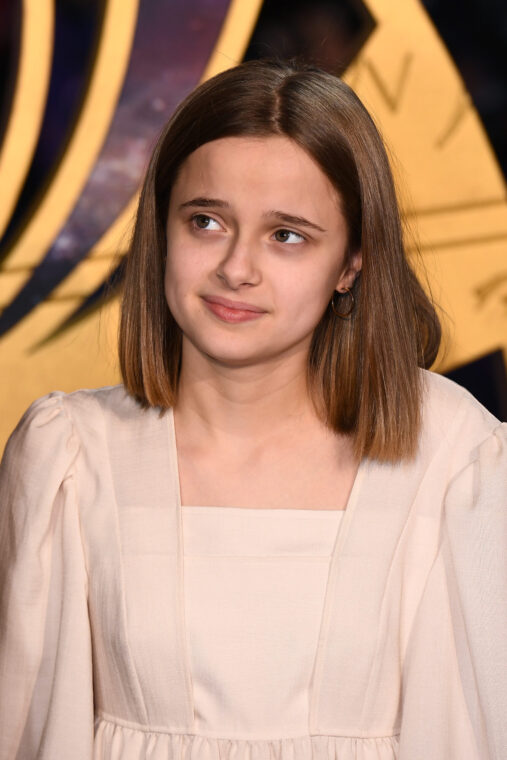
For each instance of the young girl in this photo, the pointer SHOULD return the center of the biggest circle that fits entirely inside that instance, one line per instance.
(281, 536)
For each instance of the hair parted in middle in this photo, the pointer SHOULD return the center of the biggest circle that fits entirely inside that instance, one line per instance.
(363, 372)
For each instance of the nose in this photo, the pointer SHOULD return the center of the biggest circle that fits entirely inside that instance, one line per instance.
(239, 265)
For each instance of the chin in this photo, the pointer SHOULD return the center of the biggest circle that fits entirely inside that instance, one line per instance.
(226, 351)
(231, 358)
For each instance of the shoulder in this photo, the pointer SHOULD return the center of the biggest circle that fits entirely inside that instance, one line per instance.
(110, 413)
(112, 400)
(454, 421)
(58, 422)
(446, 401)
(90, 404)
(462, 447)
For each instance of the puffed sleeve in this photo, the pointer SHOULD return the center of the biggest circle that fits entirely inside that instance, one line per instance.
(454, 703)
(46, 691)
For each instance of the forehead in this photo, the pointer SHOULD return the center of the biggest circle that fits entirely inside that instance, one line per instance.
(260, 170)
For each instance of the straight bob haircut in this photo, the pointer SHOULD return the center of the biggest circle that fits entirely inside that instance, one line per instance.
(363, 372)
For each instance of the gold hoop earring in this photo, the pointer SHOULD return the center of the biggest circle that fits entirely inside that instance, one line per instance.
(341, 314)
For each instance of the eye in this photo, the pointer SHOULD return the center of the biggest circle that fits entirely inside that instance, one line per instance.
(204, 222)
(284, 236)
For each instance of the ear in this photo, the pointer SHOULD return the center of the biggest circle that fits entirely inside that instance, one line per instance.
(350, 272)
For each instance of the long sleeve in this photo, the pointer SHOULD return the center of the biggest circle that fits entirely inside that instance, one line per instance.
(455, 672)
(46, 684)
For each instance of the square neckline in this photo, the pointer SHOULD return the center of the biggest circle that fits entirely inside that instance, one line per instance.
(343, 530)
(355, 485)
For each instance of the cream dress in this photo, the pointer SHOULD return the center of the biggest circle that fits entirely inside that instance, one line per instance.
(389, 642)
(255, 581)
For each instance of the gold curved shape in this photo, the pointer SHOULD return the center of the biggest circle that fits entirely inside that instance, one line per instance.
(30, 94)
(450, 182)
(108, 74)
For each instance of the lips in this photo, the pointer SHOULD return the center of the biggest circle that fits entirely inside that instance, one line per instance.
(238, 305)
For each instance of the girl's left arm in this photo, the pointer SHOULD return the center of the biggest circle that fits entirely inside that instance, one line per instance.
(455, 670)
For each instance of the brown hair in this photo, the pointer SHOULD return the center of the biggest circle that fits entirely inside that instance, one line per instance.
(363, 372)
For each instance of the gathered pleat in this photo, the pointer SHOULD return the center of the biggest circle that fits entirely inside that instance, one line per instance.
(115, 741)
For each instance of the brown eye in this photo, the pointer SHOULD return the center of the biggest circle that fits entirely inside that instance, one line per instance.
(201, 220)
(204, 222)
(284, 236)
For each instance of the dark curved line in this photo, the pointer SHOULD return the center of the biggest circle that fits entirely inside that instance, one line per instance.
(10, 48)
(77, 32)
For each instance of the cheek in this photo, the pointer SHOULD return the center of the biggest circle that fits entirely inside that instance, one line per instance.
(305, 299)
(175, 284)
(181, 272)
(187, 259)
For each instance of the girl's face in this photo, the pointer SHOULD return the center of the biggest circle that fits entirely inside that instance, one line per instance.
(256, 246)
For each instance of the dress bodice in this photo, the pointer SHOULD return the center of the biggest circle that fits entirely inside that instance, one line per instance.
(255, 581)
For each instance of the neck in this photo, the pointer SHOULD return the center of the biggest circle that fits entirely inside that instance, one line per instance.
(249, 403)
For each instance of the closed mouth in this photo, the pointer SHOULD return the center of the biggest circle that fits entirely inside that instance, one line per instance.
(238, 305)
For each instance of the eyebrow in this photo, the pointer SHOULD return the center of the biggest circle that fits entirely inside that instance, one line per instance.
(281, 215)
(206, 202)
(291, 219)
